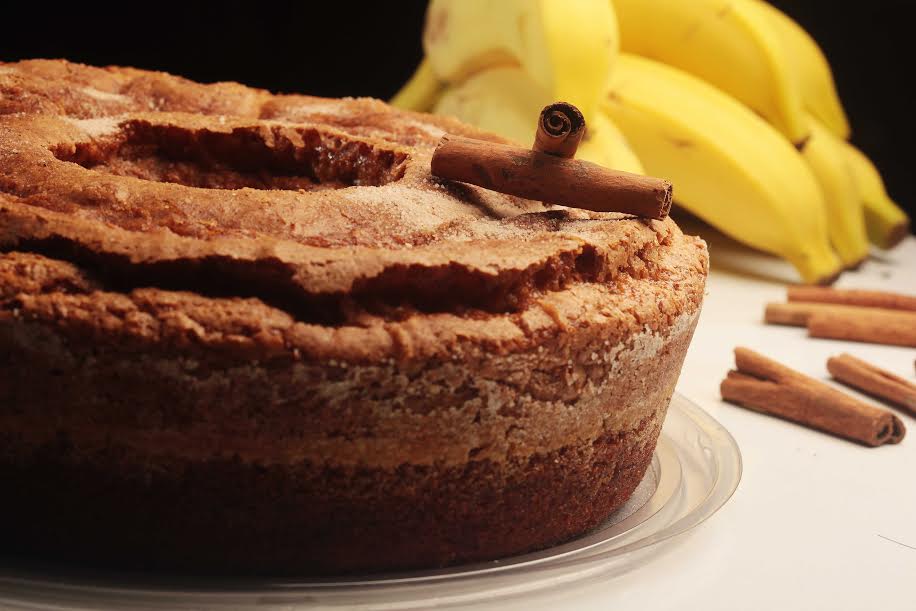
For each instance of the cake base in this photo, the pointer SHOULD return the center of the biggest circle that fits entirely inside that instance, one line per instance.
(224, 516)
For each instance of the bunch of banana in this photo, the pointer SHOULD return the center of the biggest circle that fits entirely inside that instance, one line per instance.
(758, 55)
(729, 167)
(730, 99)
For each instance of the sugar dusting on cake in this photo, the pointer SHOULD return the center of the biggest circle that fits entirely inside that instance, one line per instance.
(437, 211)
(427, 128)
(648, 344)
(105, 96)
(330, 108)
(98, 127)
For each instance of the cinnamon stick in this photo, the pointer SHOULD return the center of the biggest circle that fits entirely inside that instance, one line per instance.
(875, 327)
(854, 297)
(797, 314)
(763, 385)
(561, 127)
(555, 180)
(873, 380)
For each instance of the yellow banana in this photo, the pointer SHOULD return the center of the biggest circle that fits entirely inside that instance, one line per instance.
(824, 154)
(812, 71)
(566, 46)
(421, 91)
(728, 166)
(506, 101)
(724, 42)
(885, 222)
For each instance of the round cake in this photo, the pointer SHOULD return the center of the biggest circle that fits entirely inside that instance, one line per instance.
(251, 333)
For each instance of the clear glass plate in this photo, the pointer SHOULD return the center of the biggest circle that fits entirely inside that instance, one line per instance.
(695, 469)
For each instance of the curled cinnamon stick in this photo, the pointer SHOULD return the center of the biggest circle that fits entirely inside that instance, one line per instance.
(853, 297)
(561, 127)
(873, 381)
(797, 314)
(763, 385)
(875, 327)
(555, 180)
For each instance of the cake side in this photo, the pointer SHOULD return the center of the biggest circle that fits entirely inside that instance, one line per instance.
(331, 462)
(239, 356)
(202, 507)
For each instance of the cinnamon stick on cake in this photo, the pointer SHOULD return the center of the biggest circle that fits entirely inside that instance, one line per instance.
(548, 173)
(560, 129)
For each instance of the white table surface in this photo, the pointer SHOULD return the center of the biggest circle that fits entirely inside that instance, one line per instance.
(817, 522)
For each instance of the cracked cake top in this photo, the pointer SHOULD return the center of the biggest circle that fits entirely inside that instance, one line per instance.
(298, 225)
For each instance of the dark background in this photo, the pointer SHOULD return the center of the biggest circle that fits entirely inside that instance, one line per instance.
(369, 48)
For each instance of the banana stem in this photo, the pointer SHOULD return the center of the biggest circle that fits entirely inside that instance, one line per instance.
(886, 228)
(817, 267)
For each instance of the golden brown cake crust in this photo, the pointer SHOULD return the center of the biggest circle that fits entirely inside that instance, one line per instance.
(325, 216)
(211, 283)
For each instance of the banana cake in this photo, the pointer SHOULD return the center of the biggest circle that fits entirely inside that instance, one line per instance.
(251, 333)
